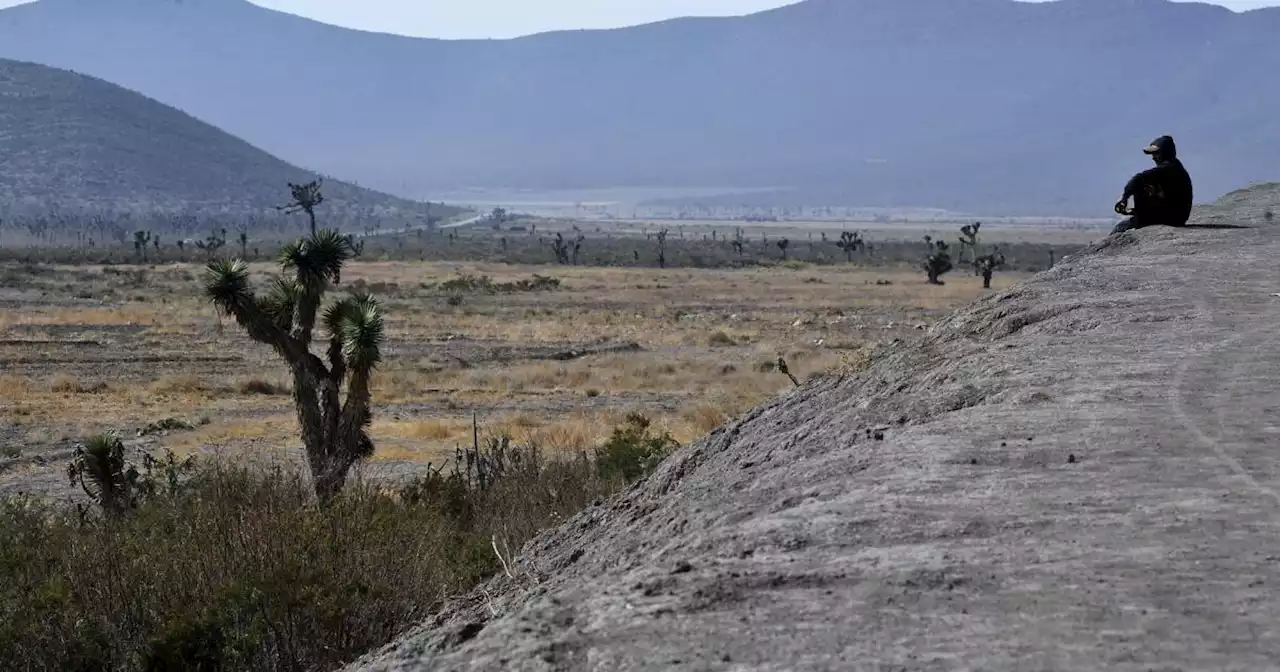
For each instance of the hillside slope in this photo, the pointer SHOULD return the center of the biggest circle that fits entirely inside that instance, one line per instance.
(986, 104)
(1078, 473)
(72, 141)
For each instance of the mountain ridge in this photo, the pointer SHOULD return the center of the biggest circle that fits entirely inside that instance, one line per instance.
(71, 141)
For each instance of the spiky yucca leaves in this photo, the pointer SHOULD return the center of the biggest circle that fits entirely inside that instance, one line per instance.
(314, 263)
(99, 468)
(332, 397)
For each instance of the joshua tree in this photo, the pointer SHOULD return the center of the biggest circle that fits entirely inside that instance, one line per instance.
(986, 265)
(850, 242)
(357, 246)
(577, 248)
(939, 260)
(560, 247)
(212, 244)
(305, 199)
(140, 241)
(783, 244)
(333, 428)
(969, 239)
(244, 243)
(662, 248)
(99, 468)
(739, 242)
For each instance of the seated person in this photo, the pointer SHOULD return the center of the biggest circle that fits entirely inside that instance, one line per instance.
(1161, 195)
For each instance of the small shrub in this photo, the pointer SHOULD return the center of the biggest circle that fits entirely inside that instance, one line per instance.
(633, 450)
(721, 339)
(11, 452)
(467, 283)
(483, 284)
(263, 387)
(454, 300)
(180, 384)
(65, 384)
(165, 425)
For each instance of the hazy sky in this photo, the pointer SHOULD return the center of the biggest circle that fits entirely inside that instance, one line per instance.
(508, 18)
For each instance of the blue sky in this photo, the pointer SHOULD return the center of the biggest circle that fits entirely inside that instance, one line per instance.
(509, 18)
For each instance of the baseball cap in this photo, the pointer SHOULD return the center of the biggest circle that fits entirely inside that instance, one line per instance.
(1163, 144)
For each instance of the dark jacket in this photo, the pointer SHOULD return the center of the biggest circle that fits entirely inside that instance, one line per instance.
(1163, 194)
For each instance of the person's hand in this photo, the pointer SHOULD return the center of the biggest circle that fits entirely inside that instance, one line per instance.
(1122, 208)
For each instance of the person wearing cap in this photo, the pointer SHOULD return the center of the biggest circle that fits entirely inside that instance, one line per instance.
(1161, 195)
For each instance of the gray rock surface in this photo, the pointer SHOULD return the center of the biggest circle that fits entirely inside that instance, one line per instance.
(1079, 473)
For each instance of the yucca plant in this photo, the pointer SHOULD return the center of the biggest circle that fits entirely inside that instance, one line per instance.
(850, 242)
(969, 240)
(987, 264)
(331, 393)
(939, 260)
(306, 196)
(100, 469)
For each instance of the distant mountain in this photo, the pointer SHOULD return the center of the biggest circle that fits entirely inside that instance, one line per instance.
(73, 142)
(981, 104)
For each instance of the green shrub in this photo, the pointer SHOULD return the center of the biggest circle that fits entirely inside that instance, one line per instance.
(220, 567)
(205, 566)
(632, 451)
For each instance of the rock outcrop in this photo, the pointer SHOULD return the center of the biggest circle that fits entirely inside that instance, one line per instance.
(1079, 473)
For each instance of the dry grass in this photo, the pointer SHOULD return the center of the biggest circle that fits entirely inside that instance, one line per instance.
(708, 338)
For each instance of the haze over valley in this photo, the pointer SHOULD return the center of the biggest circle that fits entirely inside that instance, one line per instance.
(990, 106)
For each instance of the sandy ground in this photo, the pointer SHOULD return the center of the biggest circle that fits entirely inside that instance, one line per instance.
(1077, 473)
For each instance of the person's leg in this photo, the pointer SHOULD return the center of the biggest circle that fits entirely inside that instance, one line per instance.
(1128, 225)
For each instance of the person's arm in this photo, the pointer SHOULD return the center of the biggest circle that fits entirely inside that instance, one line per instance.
(1131, 188)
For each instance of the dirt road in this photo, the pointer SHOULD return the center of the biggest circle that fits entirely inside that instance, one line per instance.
(1080, 473)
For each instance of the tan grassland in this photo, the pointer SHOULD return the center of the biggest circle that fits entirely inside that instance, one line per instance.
(89, 349)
